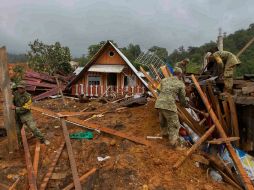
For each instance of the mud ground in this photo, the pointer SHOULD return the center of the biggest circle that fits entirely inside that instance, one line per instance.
(131, 166)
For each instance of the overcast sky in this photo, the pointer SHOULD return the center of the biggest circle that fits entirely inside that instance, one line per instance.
(79, 23)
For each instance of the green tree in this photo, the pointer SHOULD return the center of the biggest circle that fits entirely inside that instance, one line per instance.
(94, 48)
(131, 52)
(160, 52)
(49, 58)
(18, 73)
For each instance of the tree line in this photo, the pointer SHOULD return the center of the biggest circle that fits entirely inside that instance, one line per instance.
(55, 58)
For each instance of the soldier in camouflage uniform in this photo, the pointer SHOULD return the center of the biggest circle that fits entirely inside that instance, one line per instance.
(170, 89)
(22, 105)
(182, 65)
(226, 62)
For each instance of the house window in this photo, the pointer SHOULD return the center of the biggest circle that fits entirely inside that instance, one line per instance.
(111, 53)
(94, 80)
(130, 80)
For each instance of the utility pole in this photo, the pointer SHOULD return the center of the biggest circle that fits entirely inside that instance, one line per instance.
(9, 115)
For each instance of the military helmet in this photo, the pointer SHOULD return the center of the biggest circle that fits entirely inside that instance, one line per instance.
(187, 60)
(21, 84)
(178, 70)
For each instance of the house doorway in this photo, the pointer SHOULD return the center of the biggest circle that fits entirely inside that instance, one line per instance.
(112, 79)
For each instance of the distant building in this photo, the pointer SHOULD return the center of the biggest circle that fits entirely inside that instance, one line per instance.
(74, 64)
(109, 71)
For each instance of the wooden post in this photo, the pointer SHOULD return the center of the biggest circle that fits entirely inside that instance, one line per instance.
(9, 115)
(194, 147)
(60, 90)
(245, 178)
(71, 156)
(30, 169)
(234, 118)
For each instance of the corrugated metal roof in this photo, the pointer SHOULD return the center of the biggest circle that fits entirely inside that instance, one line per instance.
(106, 68)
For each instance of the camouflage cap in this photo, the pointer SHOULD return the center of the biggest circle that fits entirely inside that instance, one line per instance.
(178, 70)
(21, 84)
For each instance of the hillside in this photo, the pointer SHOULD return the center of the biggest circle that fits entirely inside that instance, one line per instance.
(233, 43)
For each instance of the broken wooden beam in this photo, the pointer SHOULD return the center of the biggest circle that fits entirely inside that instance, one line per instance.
(165, 71)
(29, 166)
(74, 169)
(36, 157)
(9, 115)
(154, 83)
(223, 140)
(81, 179)
(194, 147)
(93, 126)
(245, 178)
(234, 118)
(51, 168)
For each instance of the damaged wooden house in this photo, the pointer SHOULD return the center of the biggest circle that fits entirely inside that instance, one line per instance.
(109, 71)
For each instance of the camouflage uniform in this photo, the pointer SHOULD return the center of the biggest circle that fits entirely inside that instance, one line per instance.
(23, 114)
(227, 61)
(181, 65)
(170, 89)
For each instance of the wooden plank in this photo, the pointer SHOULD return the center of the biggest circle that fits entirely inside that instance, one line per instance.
(234, 118)
(165, 71)
(74, 169)
(92, 126)
(73, 114)
(245, 47)
(217, 162)
(223, 140)
(245, 178)
(51, 168)
(36, 157)
(154, 83)
(226, 112)
(220, 116)
(156, 72)
(81, 179)
(14, 184)
(29, 166)
(194, 147)
(108, 130)
(46, 94)
(9, 115)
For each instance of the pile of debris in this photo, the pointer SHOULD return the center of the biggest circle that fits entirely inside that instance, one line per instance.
(42, 85)
(221, 115)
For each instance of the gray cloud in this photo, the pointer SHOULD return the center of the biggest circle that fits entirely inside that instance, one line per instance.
(79, 23)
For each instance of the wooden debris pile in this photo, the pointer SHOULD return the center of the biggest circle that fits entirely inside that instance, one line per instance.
(219, 120)
(42, 85)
